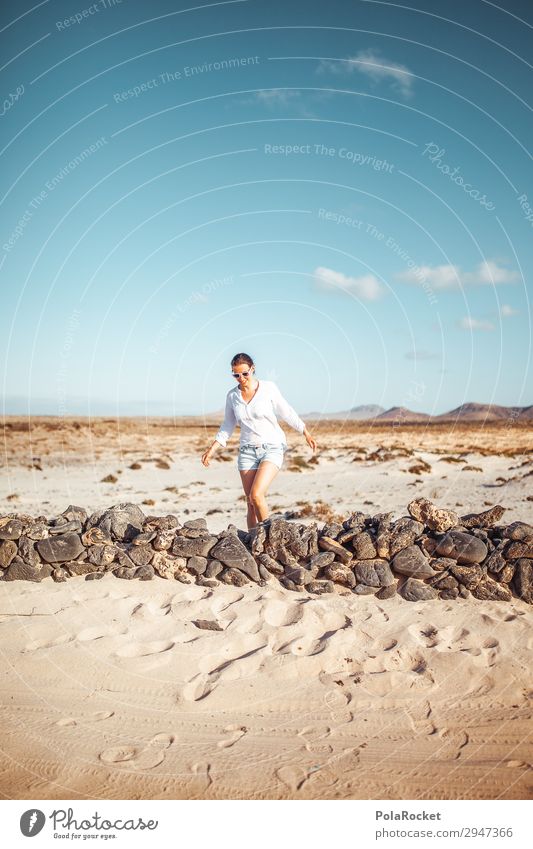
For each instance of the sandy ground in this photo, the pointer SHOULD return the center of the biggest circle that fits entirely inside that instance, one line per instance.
(108, 689)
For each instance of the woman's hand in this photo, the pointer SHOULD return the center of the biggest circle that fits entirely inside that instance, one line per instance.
(206, 456)
(310, 441)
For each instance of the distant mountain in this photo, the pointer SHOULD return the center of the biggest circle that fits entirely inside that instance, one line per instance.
(364, 411)
(402, 415)
(471, 412)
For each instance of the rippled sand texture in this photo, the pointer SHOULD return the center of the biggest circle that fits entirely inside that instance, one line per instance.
(110, 691)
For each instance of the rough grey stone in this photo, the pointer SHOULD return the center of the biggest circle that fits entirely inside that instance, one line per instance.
(411, 561)
(518, 531)
(341, 553)
(20, 571)
(232, 553)
(413, 590)
(197, 565)
(8, 550)
(141, 555)
(462, 547)
(122, 522)
(364, 546)
(60, 549)
(234, 577)
(523, 580)
(201, 546)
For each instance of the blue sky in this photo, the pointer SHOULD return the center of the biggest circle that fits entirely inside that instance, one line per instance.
(343, 190)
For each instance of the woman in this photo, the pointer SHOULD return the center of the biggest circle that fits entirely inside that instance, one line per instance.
(254, 404)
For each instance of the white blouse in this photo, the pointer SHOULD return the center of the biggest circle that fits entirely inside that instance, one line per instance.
(257, 418)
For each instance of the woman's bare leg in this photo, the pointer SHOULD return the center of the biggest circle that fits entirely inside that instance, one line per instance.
(247, 478)
(265, 474)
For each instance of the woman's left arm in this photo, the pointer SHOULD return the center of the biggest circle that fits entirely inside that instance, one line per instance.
(284, 410)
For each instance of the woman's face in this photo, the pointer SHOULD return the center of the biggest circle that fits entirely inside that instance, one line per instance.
(243, 374)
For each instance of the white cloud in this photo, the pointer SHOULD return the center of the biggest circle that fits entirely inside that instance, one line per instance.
(373, 65)
(487, 273)
(475, 324)
(367, 287)
(277, 97)
(506, 311)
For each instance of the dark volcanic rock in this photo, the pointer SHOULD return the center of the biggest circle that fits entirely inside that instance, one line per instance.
(411, 561)
(320, 587)
(10, 529)
(468, 575)
(60, 549)
(141, 555)
(197, 564)
(61, 526)
(403, 533)
(432, 517)
(328, 544)
(515, 550)
(340, 574)
(488, 588)
(232, 553)
(207, 625)
(364, 546)
(94, 576)
(487, 519)
(125, 572)
(101, 555)
(462, 547)
(318, 561)
(234, 577)
(144, 573)
(20, 571)
(387, 592)
(374, 573)
(413, 590)
(122, 522)
(365, 589)
(8, 550)
(213, 568)
(523, 580)
(78, 567)
(75, 514)
(518, 531)
(270, 564)
(201, 546)
(161, 523)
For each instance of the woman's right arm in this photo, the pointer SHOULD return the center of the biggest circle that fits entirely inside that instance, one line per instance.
(228, 426)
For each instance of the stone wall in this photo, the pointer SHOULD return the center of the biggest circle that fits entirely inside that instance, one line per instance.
(431, 553)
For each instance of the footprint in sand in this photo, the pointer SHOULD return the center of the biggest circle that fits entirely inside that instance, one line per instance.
(301, 646)
(147, 757)
(95, 717)
(280, 614)
(453, 742)
(118, 754)
(143, 649)
(236, 732)
(200, 686)
(337, 703)
(315, 737)
(48, 644)
(201, 779)
(419, 714)
(292, 776)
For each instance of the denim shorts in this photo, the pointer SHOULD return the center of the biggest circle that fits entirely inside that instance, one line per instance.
(250, 456)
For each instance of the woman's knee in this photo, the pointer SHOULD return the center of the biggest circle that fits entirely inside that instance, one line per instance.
(256, 497)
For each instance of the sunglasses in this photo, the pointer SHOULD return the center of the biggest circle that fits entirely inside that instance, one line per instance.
(242, 374)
